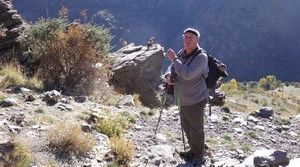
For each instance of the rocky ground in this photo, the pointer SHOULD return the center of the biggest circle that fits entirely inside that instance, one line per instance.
(232, 137)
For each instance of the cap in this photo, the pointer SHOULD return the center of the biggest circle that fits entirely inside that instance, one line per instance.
(193, 31)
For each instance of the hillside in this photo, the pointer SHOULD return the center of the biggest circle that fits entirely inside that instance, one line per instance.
(253, 38)
(232, 137)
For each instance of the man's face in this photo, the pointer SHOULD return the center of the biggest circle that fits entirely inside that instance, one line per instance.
(190, 41)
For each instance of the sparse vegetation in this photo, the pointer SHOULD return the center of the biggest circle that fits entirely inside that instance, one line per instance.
(131, 119)
(123, 150)
(227, 138)
(66, 137)
(11, 74)
(19, 157)
(246, 147)
(111, 126)
(136, 99)
(213, 141)
(250, 96)
(39, 110)
(253, 135)
(225, 109)
(147, 112)
(282, 121)
(144, 113)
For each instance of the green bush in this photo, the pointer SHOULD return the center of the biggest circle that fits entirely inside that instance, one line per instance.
(111, 126)
(246, 147)
(269, 83)
(253, 134)
(67, 54)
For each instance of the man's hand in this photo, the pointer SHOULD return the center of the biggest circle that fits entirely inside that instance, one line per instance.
(171, 55)
(168, 80)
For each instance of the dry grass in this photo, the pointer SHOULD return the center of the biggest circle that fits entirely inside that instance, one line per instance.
(123, 150)
(112, 126)
(136, 99)
(11, 75)
(66, 137)
(19, 157)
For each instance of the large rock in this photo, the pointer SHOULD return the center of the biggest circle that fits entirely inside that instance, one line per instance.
(265, 157)
(217, 97)
(12, 26)
(138, 70)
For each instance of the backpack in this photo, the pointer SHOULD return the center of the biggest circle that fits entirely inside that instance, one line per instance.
(217, 69)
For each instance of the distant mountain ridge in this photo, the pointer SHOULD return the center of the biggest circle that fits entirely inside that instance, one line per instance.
(254, 38)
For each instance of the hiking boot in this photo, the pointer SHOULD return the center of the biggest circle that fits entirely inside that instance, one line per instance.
(186, 155)
(198, 161)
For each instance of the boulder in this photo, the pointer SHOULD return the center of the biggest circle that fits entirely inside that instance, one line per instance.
(217, 97)
(13, 26)
(265, 112)
(138, 71)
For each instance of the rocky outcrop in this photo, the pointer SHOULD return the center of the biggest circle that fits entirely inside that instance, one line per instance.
(11, 26)
(138, 70)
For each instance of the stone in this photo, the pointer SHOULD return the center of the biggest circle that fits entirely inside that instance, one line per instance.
(265, 112)
(138, 71)
(52, 96)
(8, 102)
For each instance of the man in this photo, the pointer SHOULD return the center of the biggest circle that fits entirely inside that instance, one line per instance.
(191, 94)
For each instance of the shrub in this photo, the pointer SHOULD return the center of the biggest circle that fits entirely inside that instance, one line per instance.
(151, 112)
(123, 150)
(19, 157)
(252, 134)
(39, 110)
(230, 86)
(144, 113)
(147, 113)
(131, 119)
(227, 137)
(282, 121)
(225, 109)
(70, 57)
(68, 138)
(110, 127)
(269, 83)
(246, 147)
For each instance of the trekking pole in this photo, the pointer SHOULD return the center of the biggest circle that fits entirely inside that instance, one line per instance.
(209, 106)
(179, 110)
(163, 102)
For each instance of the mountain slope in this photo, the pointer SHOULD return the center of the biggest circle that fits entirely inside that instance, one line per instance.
(254, 38)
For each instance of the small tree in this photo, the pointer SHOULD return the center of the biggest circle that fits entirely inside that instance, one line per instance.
(69, 56)
(231, 85)
(269, 83)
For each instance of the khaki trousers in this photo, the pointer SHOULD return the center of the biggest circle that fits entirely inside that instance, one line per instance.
(192, 118)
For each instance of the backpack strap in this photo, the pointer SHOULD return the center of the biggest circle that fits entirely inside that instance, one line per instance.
(195, 54)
